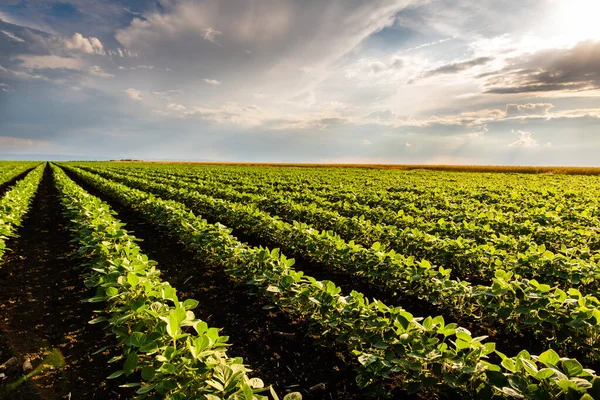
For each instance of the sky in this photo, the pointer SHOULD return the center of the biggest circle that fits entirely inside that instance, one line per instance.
(500, 82)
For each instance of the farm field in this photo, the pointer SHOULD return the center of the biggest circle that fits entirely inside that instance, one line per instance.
(194, 281)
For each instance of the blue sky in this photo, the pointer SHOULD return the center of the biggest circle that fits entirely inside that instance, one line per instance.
(353, 81)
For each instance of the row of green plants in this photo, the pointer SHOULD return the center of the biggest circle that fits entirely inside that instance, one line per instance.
(469, 258)
(509, 302)
(426, 355)
(430, 196)
(15, 204)
(164, 350)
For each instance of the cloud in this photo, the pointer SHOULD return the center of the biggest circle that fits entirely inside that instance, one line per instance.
(424, 45)
(212, 81)
(13, 37)
(230, 113)
(210, 34)
(570, 69)
(133, 94)
(377, 67)
(525, 139)
(97, 71)
(456, 67)
(49, 62)
(176, 107)
(16, 143)
(273, 40)
(365, 142)
(91, 45)
(528, 108)
(168, 93)
(383, 115)
(407, 144)
(478, 134)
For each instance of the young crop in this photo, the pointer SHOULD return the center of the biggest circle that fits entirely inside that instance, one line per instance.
(166, 352)
(389, 343)
(509, 301)
(15, 204)
(470, 250)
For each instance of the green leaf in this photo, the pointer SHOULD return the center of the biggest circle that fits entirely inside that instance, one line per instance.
(572, 367)
(148, 373)
(550, 357)
(137, 339)
(256, 383)
(115, 374)
(130, 363)
(190, 304)
(145, 389)
(133, 279)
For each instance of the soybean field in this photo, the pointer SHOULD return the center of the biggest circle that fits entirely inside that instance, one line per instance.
(193, 281)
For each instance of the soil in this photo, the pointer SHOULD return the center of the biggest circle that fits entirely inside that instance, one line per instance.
(41, 309)
(274, 345)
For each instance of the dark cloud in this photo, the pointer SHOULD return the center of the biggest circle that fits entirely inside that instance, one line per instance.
(573, 69)
(457, 67)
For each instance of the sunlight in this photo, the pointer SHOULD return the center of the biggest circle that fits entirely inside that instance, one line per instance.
(576, 20)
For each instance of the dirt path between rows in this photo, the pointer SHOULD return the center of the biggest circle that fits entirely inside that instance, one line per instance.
(41, 308)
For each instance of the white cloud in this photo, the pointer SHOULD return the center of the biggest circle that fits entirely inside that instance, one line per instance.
(97, 71)
(229, 113)
(133, 94)
(376, 67)
(50, 61)
(365, 142)
(91, 45)
(528, 108)
(271, 40)
(120, 53)
(13, 37)
(176, 107)
(407, 144)
(478, 134)
(212, 81)
(168, 93)
(210, 33)
(525, 139)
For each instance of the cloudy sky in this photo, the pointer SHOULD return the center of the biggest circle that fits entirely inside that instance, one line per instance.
(358, 81)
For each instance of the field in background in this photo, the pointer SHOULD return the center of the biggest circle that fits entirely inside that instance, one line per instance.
(409, 167)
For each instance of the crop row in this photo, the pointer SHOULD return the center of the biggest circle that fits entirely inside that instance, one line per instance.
(491, 202)
(466, 257)
(508, 302)
(15, 204)
(176, 355)
(389, 343)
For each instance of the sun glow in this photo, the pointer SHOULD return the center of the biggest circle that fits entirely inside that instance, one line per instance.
(575, 21)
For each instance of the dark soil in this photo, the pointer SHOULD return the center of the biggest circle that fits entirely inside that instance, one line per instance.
(41, 308)
(273, 344)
